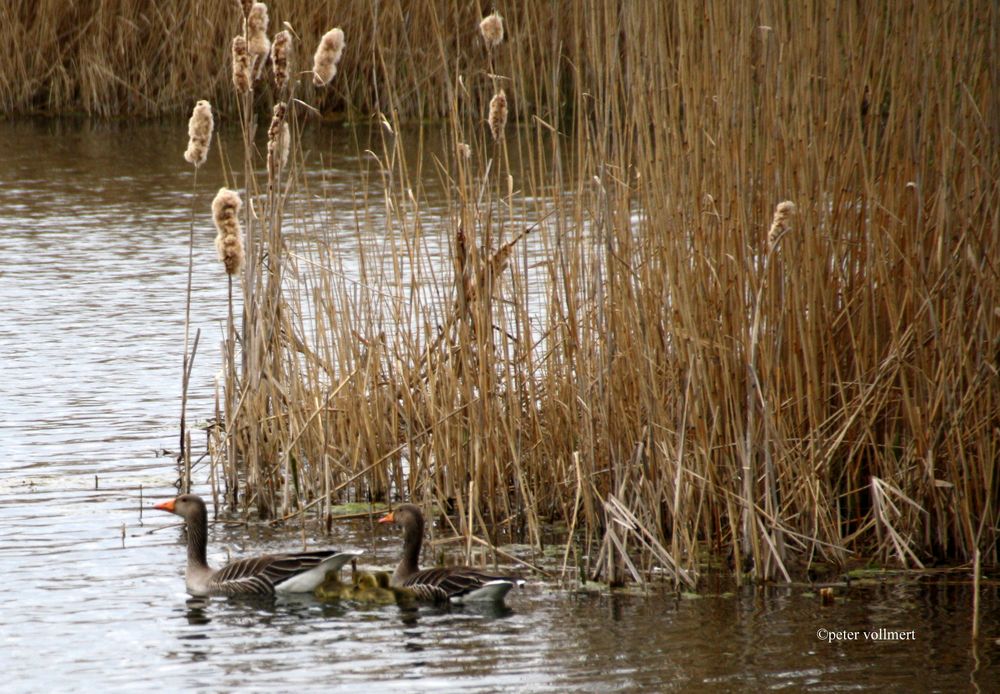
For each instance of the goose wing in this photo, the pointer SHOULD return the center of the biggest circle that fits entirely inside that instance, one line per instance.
(451, 583)
(261, 575)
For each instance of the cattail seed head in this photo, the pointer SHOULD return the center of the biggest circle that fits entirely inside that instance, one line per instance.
(284, 144)
(257, 42)
(229, 240)
(491, 29)
(199, 133)
(241, 65)
(781, 223)
(498, 114)
(278, 139)
(328, 53)
(280, 50)
(277, 118)
(246, 4)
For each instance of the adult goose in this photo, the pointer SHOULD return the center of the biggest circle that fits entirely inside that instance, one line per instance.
(457, 584)
(298, 572)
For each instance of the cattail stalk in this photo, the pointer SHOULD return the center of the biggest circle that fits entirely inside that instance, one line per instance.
(199, 133)
(328, 53)
(756, 399)
(278, 140)
(284, 144)
(491, 29)
(258, 44)
(241, 65)
(781, 223)
(280, 50)
(229, 241)
(498, 114)
(200, 128)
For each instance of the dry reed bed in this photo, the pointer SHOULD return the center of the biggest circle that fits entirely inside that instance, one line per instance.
(149, 58)
(819, 384)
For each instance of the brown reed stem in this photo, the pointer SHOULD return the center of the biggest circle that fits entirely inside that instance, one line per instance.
(976, 576)
(186, 442)
(187, 320)
(230, 390)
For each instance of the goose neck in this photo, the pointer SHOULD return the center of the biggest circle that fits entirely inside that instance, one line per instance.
(197, 539)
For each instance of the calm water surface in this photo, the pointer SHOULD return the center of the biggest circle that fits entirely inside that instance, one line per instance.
(92, 271)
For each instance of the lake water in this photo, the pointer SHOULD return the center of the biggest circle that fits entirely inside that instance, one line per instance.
(93, 258)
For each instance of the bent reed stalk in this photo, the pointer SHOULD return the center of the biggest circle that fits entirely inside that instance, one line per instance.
(629, 333)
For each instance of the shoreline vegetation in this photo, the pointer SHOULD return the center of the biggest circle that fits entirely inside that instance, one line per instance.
(770, 239)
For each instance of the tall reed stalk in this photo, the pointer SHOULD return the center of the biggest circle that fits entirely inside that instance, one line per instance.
(200, 128)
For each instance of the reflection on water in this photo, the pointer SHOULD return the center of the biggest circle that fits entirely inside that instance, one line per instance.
(92, 270)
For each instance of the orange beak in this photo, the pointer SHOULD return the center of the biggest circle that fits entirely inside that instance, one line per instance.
(387, 518)
(166, 506)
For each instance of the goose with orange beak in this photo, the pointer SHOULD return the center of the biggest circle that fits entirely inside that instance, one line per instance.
(298, 572)
(456, 584)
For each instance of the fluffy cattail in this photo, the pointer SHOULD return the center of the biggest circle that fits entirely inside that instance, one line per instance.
(498, 114)
(492, 30)
(328, 53)
(257, 42)
(780, 225)
(284, 144)
(229, 241)
(241, 65)
(464, 150)
(280, 50)
(278, 139)
(199, 133)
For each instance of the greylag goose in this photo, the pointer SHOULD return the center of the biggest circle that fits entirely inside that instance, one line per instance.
(298, 572)
(457, 584)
